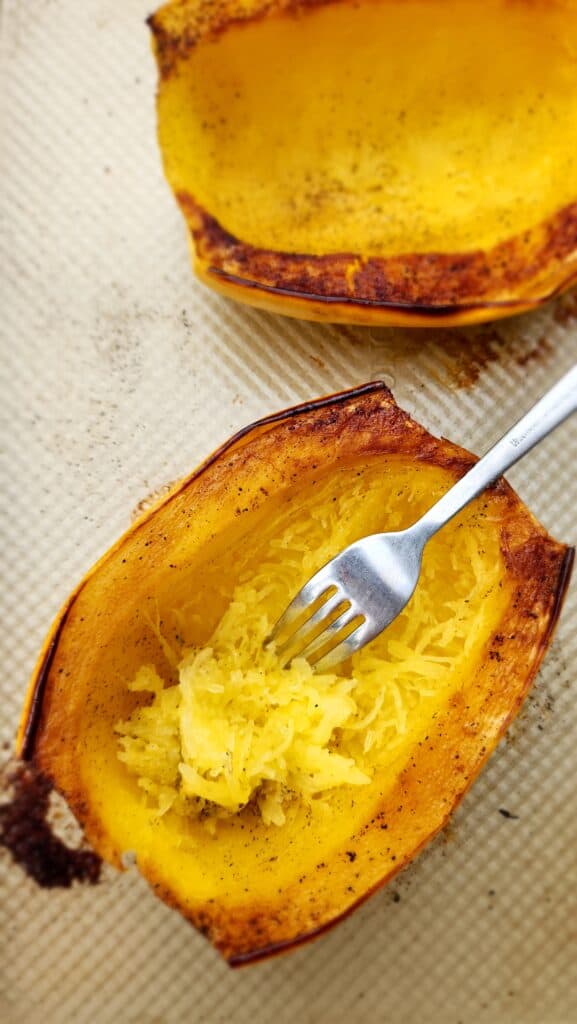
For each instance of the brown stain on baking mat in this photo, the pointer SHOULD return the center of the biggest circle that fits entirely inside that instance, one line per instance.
(28, 836)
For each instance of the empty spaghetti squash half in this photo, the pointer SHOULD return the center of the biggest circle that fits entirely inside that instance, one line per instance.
(374, 162)
(266, 802)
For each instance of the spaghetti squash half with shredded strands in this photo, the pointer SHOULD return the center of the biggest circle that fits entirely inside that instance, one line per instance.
(266, 804)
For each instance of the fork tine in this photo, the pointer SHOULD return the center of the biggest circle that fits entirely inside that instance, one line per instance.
(315, 589)
(306, 632)
(332, 631)
(335, 657)
(357, 638)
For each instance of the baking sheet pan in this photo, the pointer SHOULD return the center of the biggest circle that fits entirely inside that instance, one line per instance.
(119, 373)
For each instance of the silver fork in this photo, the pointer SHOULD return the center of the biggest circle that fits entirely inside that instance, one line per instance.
(356, 595)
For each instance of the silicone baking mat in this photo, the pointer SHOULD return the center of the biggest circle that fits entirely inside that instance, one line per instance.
(119, 373)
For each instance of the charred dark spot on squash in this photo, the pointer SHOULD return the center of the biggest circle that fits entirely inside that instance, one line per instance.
(538, 560)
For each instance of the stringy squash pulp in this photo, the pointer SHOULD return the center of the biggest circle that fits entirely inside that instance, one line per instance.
(239, 729)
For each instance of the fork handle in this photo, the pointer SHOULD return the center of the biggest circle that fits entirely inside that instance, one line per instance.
(548, 413)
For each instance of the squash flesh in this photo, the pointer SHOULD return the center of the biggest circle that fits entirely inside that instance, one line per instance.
(379, 128)
(239, 726)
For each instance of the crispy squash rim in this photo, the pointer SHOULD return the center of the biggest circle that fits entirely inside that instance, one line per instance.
(430, 788)
(413, 289)
(417, 289)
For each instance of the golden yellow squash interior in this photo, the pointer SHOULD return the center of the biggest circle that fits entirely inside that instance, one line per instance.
(431, 652)
(379, 127)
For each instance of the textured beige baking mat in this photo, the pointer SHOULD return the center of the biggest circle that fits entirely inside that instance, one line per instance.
(119, 373)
